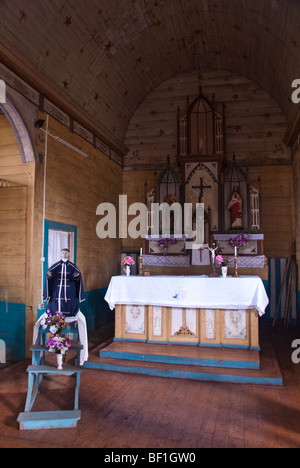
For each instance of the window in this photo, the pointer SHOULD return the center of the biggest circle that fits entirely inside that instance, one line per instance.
(58, 240)
(56, 237)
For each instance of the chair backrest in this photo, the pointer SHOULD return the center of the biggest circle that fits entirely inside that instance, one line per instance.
(71, 328)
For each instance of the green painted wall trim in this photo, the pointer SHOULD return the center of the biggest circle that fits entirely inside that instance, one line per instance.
(96, 309)
(12, 329)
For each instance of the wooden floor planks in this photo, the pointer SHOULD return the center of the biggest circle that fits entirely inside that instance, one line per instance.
(137, 411)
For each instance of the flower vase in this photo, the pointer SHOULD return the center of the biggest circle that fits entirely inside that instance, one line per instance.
(59, 358)
(127, 270)
(224, 270)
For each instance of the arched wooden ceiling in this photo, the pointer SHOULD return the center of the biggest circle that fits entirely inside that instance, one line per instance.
(104, 57)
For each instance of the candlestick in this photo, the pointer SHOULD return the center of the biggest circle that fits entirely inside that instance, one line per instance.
(140, 260)
(236, 275)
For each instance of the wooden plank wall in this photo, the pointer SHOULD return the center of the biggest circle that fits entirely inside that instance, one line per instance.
(16, 184)
(75, 186)
(135, 186)
(13, 243)
(278, 209)
(254, 123)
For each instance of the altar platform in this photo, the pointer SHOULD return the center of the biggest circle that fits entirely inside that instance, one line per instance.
(190, 363)
(190, 328)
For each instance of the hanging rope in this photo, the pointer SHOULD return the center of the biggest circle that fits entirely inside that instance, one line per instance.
(44, 204)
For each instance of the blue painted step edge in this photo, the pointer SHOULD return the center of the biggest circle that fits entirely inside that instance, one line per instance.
(48, 419)
(181, 360)
(176, 374)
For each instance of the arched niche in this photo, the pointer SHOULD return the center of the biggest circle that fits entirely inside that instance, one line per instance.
(20, 130)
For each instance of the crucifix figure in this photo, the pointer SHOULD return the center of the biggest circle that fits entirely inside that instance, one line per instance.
(201, 188)
(213, 259)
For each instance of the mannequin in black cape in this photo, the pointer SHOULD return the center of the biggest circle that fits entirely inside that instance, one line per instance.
(64, 286)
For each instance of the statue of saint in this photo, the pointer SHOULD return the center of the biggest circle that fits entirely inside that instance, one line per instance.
(235, 205)
(63, 286)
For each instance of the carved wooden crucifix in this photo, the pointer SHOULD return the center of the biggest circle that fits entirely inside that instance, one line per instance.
(201, 188)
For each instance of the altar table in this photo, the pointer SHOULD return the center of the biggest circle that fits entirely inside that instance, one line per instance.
(196, 310)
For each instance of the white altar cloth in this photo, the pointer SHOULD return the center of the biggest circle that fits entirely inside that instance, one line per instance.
(246, 292)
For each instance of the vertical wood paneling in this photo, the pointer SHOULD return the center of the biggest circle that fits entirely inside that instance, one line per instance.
(277, 209)
(14, 205)
(75, 186)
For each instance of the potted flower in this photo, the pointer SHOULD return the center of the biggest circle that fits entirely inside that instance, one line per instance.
(237, 241)
(59, 345)
(126, 263)
(165, 242)
(57, 342)
(224, 262)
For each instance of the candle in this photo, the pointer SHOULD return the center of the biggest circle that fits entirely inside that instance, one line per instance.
(235, 251)
(141, 251)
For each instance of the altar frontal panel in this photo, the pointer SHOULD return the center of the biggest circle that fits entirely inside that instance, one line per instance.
(194, 326)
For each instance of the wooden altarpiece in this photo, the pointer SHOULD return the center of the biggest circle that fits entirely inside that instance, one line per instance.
(200, 156)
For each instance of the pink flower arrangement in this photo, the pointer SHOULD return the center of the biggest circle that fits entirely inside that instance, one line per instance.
(57, 343)
(223, 261)
(127, 261)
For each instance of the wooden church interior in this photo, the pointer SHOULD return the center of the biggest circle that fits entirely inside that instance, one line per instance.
(164, 102)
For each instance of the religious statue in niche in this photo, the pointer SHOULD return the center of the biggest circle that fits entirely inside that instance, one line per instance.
(170, 199)
(63, 286)
(235, 205)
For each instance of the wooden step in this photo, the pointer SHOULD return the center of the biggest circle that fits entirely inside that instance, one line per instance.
(186, 355)
(46, 369)
(208, 374)
(156, 364)
(48, 419)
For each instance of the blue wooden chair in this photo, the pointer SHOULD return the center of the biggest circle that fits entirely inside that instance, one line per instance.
(36, 371)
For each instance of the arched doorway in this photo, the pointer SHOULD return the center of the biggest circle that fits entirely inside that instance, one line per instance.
(17, 176)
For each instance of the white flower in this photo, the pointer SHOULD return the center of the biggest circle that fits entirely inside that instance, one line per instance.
(53, 329)
(43, 323)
